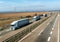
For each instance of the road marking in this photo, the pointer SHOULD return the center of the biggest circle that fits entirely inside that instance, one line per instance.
(40, 32)
(31, 32)
(50, 32)
(24, 37)
(43, 30)
(37, 27)
(49, 39)
(34, 29)
(55, 21)
(58, 15)
(58, 30)
(52, 28)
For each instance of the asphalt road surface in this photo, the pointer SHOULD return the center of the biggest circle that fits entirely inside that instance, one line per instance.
(42, 33)
(46, 35)
(4, 35)
(56, 31)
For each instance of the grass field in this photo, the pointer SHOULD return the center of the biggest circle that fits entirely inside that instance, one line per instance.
(6, 15)
(7, 18)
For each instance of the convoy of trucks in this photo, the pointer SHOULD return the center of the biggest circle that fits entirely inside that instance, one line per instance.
(19, 23)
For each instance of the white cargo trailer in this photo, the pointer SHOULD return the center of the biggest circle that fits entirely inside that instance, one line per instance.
(19, 23)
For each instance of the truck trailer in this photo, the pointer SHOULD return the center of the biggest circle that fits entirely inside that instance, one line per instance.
(19, 23)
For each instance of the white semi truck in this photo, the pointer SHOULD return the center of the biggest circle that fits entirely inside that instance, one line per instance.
(19, 23)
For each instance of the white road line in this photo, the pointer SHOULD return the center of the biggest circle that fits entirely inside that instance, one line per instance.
(37, 28)
(34, 29)
(55, 21)
(40, 32)
(52, 28)
(31, 32)
(58, 30)
(24, 37)
(28, 34)
(43, 29)
(50, 32)
(48, 39)
(58, 15)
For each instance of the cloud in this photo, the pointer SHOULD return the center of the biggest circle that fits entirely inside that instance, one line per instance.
(23, 5)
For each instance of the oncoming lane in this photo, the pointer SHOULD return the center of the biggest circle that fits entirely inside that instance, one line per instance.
(46, 35)
(55, 35)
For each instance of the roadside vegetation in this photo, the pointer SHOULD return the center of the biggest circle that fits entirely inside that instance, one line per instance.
(24, 32)
(7, 18)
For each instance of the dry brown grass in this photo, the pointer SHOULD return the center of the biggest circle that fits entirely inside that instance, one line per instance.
(19, 14)
(10, 15)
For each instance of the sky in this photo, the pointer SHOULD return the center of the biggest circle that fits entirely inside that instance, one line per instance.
(28, 5)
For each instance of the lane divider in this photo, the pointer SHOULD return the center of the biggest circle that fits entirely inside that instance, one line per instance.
(25, 37)
(51, 32)
(49, 38)
(31, 33)
(40, 32)
(58, 30)
(52, 28)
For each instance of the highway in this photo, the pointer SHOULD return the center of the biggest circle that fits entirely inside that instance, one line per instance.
(48, 31)
(56, 31)
(3, 32)
(59, 29)
(4, 36)
(42, 33)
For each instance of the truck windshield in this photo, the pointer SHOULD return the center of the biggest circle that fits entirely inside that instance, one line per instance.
(12, 25)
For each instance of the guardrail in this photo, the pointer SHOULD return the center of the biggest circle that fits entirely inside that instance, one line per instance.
(21, 34)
